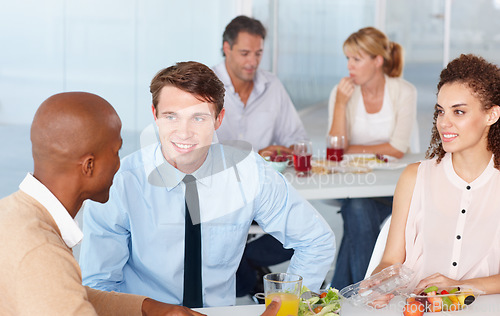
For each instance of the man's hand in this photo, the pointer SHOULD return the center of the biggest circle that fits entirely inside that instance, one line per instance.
(269, 150)
(273, 308)
(151, 307)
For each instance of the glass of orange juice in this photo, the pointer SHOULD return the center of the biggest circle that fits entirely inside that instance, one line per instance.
(287, 286)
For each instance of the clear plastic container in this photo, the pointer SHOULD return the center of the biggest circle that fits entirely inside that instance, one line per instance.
(393, 279)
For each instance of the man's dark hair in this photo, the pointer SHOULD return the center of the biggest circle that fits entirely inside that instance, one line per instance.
(192, 77)
(239, 24)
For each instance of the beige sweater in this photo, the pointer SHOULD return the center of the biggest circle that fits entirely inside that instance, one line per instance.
(39, 275)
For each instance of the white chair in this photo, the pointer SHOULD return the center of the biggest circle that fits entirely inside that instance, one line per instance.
(379, 248)
(256, 230)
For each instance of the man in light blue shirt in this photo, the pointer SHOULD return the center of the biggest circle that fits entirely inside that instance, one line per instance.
(135, 242)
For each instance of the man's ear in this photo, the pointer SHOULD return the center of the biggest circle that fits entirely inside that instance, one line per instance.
(494, 114)
(154, 111)
(219, 118)
(226, 48)
(88, 165)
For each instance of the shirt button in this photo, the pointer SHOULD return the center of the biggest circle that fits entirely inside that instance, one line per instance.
(463, 211)
(458, 237)
(468, 187)
(454, 264)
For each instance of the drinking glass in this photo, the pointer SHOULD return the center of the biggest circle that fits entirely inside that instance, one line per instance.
(335, 147)
(302, 153)
(287, 286)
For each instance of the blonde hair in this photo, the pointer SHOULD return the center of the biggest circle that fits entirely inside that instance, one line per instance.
(375, 43)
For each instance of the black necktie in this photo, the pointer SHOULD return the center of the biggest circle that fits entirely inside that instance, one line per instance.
(193, 296)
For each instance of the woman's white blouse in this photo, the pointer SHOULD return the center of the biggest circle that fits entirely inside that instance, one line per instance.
(453, 227)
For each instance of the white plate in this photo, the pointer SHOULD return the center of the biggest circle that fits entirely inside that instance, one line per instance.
(368, 156)
(339, 167)
(371, 161)
(358, 163)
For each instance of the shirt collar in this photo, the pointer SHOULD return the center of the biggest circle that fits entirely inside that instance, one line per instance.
(481, 180)
(70, 232)
(259, 83)
(166, 175)
(220, 158)
(224, 76)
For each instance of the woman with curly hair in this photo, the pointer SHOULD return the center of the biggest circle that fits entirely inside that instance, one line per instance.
(446, 208)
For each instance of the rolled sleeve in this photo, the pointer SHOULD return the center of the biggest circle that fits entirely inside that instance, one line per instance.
(288, 217)
(104, 250)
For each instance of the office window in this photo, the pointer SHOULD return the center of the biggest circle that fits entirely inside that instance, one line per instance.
(310, 38)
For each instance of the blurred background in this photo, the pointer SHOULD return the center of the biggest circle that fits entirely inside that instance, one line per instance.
(114, 47)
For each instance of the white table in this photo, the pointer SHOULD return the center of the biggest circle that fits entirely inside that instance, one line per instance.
(239, 310)
(345, 185)
(484, 305)
(349, 185)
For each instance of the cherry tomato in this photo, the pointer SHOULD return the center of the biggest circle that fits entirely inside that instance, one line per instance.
(318, 309)
(322, 295)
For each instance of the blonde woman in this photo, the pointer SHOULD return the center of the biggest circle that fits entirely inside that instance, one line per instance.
(375, 110)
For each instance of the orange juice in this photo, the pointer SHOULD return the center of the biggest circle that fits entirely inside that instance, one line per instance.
(289, 303)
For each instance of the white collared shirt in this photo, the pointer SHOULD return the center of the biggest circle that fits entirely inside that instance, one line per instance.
(70, 232)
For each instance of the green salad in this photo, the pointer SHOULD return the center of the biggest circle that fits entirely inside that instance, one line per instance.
(328, 304)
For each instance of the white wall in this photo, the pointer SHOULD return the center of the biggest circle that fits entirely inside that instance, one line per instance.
(112, 48)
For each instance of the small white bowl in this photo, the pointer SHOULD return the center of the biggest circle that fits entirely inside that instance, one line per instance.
(279, 166)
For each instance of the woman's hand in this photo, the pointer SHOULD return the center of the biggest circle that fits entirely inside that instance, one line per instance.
(345, 89)
(382, 301)
(439, 280)
(343, 93)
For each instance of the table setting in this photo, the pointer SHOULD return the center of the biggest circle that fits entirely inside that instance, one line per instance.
(333, 160)
(357, 299)
(333, 174)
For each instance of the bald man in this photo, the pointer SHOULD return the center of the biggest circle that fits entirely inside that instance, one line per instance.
(75, 142)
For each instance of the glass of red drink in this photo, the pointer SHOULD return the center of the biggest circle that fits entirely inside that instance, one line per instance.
(302, 153)
(335, 147)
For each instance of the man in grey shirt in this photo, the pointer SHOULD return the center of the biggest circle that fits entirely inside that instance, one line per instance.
(258, 108)
(260, 112)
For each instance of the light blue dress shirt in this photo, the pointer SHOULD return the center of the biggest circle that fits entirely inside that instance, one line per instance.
(134, 243)
(269, 117)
